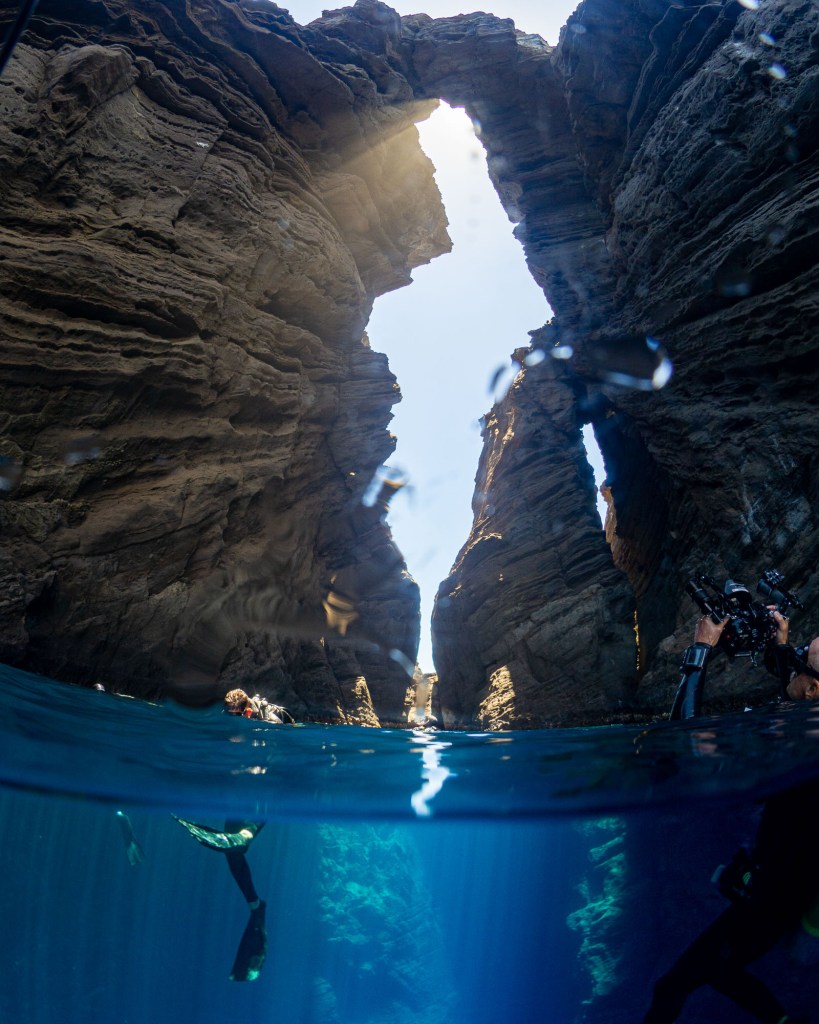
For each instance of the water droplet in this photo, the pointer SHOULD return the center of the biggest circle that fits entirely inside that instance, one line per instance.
(767, 39)
(534, 358)
(790, 130)
(386, 481)
(577, 28)
(733, 281)
(283, 223)
(339, 611)
(83, 449)
(792, 153)
(10, 472)
(752, 5)
(776, 234)
(778, 72)
(477, 127)
(501, 380)
(662, 375)
(401, 659)
(561, 352)
(633, 362)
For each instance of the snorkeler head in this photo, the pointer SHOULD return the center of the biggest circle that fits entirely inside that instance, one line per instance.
(804, 685)
(237, 702)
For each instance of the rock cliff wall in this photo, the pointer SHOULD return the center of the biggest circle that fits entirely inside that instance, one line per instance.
(196, 215)
(686, 139)
(202, 201)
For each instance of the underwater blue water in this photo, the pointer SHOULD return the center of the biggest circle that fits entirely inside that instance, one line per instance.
(409, 876)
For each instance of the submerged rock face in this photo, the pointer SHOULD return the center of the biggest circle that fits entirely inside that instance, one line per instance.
(199, 207)
(195, 218)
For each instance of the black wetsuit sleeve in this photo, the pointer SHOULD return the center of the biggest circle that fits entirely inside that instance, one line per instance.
(688, 699)
(780, 664)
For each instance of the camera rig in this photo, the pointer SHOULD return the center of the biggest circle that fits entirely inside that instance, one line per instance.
(751, 628)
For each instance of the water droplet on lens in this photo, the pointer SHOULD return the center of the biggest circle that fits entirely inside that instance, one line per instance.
(790, 130)
(84, 449)
(792, 153)
(752, 5)
(579, 30)
(767, 39)
(653, 344)
(776, 234)
(733, 281)
(561, 352)
(386, 481)
(501, 381)
(778, 72)
(534, 358)
(400, 658)
(662, 375)
(10, 472)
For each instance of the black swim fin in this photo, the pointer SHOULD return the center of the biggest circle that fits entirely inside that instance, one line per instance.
(253, 947)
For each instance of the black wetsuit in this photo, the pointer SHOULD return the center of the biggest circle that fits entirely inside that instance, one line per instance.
(688, 699)
(237, 861)
(784, 882)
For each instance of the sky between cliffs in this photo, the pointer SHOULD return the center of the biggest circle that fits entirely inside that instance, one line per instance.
(450, 332)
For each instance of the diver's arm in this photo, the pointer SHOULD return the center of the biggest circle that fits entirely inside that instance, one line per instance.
(688, 699)
(780, 663)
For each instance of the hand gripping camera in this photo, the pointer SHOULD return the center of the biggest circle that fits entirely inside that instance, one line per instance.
(751, 628)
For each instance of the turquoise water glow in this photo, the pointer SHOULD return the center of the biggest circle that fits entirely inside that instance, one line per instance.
(409, 877)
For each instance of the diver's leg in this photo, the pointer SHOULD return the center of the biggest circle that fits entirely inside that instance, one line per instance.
(240, 869)
(747, 991)
(252, 950)
(692, 970)
(758, 926)
(237, 834)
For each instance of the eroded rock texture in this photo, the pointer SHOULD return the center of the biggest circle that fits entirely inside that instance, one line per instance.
(201, 201)
(196, 214)
(662, 168)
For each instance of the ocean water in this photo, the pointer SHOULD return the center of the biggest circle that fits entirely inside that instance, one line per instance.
(410, 877)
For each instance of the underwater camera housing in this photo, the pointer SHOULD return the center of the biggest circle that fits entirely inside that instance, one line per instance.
(751, 628)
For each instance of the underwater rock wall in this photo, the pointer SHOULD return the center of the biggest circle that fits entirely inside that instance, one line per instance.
(381, 933)
(661, 167)
(195, 218)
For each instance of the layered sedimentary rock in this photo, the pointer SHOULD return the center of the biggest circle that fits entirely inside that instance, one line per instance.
(201, 202)
(684, 140)
(196, 214)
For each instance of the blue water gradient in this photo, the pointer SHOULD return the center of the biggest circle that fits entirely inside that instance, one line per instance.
(410, 877)
(79, 742)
